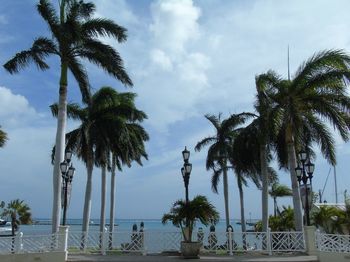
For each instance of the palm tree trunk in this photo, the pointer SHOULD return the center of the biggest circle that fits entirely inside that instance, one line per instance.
(103, 200)
(111, 214)
(265, 188)
(298, 217)
(225, 183)
(103, 204)
(87, 201)
(241, 200)
(275, 206)
(59, 152)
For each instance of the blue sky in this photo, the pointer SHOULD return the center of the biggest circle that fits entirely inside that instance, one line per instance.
(186, 58)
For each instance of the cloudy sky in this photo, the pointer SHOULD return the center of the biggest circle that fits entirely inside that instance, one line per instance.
(186, 58)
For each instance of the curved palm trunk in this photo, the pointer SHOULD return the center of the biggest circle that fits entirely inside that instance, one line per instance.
(225, 183)
(59, 152)
(265, 188)
(87, 202)
(298, 217)
(103, 202)
(111, 214)
(241, 200)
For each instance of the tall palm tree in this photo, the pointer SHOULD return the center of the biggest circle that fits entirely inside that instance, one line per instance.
(315, 96)
(127, 148)
(278, 190)
(3, 138)
(219, 150)
(265, 134)
(74, 36)
(19, 213)
(109, 124)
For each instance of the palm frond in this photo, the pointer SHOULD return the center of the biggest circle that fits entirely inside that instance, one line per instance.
(41, 48)
(3, 138)
(81, 77)
(105, 57)
(97, 27)
(48, 13)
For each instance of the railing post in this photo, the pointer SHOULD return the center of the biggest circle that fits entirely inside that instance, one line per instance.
(317, 239)
(230, 241)
(103, 241)
(63, 240)
(84, 241)
(19, 243)
(309, 237)
(268, 240)
(144, 249)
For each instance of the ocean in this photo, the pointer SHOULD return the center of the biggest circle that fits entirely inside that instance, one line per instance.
(43, 226)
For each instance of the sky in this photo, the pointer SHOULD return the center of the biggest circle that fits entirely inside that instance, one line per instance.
(186, 59)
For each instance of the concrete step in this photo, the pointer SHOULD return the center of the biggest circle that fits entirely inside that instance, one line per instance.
(205, 258)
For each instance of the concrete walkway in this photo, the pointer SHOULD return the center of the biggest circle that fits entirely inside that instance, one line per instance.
(204, 258)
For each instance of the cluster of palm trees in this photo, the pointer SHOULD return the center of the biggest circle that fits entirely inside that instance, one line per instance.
(290, 115)
(74, 37)
(109, 136)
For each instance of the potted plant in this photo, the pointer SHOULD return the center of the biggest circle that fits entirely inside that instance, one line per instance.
(184, 215)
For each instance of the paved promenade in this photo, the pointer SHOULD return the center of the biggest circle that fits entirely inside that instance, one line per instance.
(161, 258)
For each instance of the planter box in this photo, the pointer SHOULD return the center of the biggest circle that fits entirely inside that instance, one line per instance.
(190, 249)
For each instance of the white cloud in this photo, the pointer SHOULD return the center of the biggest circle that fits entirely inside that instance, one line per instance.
(118, 9)
(174, 24)
(14, 108)
(161, 59)
(194, 67)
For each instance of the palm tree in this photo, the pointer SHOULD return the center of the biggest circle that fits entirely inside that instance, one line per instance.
(109, 124)
(3, 138)
(304, 104)
(185, 215)
(278, 190)
(252, 146)
(127, 148)
(75, 33)
(265, 126)
(19, 212)
(219, 150)
(329, 219)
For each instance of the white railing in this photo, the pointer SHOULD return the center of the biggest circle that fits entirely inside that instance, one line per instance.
(31, 243)
(160, 241)
(287, 241)
(102, 242)
(333, 243)
(233, 241)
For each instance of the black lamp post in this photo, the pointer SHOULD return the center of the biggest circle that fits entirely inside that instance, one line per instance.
(304, 173)
(67, 171)
(186, 170)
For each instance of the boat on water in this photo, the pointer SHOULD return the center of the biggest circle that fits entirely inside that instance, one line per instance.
(5, 228)
(247, 223)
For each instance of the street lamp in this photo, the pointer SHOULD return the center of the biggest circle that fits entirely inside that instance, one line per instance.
(186, 170)
(67, 171)
(305, 173)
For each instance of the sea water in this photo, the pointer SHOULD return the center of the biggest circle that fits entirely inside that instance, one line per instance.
(43, 226)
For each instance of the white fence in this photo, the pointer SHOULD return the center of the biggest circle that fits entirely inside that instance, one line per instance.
(160, 241)
(333, 243)
(31, 243)
(154, 242)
